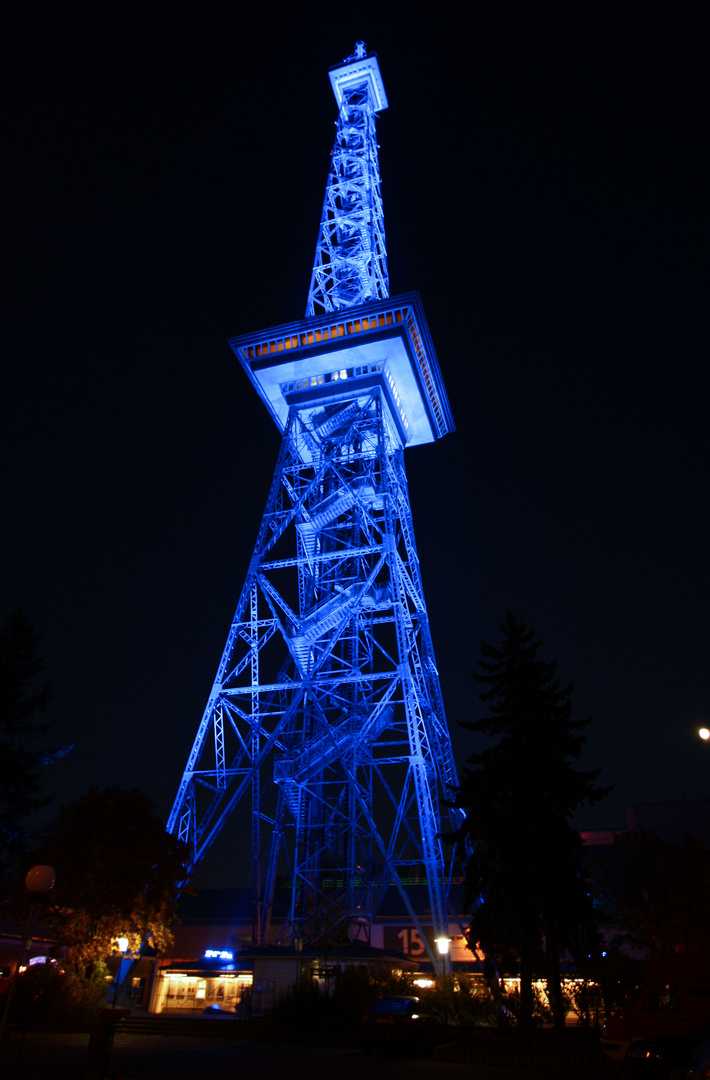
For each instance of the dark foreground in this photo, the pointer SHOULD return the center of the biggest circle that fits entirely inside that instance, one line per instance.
(44, 1056)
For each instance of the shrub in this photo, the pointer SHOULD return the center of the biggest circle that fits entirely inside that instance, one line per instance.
(45, 996)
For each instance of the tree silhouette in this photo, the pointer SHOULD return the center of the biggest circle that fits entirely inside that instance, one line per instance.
(653, 893)
(117, 874)
(24, 697)
(525, 878)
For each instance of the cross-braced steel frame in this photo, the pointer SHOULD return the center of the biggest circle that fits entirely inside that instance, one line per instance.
(350, 266)
(326, 712)
(325, 720)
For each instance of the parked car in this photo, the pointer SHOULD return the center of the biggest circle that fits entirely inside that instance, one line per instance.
(398, 1022)
(664, 1057)
(220, 1012)
(699, 1064)
(674, 1002)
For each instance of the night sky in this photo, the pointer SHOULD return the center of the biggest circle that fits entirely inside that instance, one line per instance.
(545, 182)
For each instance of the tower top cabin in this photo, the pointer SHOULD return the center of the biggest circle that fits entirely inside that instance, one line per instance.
(355, 338)
(359, 72)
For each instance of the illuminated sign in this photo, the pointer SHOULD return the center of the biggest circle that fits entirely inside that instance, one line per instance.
(218, 954)
(37, 960)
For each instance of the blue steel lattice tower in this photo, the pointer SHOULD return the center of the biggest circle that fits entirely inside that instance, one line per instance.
(325, 721)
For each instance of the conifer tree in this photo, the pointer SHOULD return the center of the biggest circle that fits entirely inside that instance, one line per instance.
(24, 697)
(525, 882)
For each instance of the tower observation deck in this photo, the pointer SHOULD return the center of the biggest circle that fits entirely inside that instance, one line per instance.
(325, 727)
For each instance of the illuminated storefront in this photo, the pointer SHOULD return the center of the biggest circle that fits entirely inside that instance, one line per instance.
(215, 982)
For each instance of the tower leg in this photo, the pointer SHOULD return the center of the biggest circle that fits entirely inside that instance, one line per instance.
(326, 706)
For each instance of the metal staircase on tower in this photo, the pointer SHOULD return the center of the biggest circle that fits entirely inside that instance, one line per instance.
(325, 727)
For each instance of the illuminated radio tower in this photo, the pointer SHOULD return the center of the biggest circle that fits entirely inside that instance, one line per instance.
(326, 719)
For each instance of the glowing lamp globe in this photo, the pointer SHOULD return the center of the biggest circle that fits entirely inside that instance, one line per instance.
(704, 734)
(40, 879)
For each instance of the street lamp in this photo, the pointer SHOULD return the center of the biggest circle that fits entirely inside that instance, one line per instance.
(40, 879)
(704, 733)
(122, 947)
(442, 944)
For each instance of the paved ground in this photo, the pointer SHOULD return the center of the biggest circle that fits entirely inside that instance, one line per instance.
(63, 1057)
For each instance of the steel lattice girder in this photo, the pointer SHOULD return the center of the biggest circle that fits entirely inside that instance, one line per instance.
(350, 266)
(326, 707)
(325, 717)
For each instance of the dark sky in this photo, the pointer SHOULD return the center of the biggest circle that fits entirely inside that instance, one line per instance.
(545, 180)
